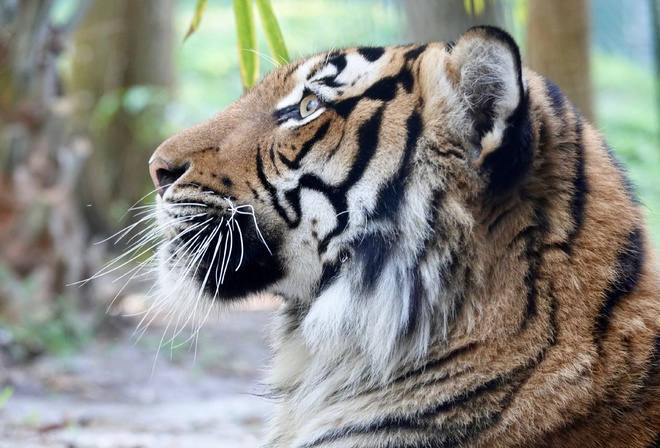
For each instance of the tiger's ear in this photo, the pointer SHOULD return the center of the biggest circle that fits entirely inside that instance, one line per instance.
(484, 66)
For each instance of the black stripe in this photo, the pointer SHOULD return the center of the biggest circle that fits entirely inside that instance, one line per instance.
(338, 61)
(500, 218)
(345, 107)
(580, 187)
(371, 253)
(556, 96)
(656, 442)
(406, 79)
(335, 195)
(318, 135)
(509, 164)
(418, 292)
(533, 237)
(368, 140)
(334, 150)
(415, 52)
(655, 355)
(383, 90)
(628, 267)
(271, 153)
(331, 81)
(272, 193)
(330, 273)
(630, 187)
(371, 54)
(390, 196)
(417, 296)
(438, 363)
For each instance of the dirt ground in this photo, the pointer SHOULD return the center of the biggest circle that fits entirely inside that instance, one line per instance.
(122, 393)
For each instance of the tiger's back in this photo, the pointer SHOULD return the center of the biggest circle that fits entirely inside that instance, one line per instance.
(462, 259)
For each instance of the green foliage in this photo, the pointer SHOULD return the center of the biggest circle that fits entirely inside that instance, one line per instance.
(142, 105)
(57, 327)
(207, 65)
(197, 18)
(5, 395)
(248, 59)
(627, 113)
(248, 56)
(61, 332)
(474, 7)
(272, 31)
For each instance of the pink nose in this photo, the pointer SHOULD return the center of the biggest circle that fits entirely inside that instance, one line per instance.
(163, 174)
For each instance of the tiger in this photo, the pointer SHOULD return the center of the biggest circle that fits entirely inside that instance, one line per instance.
(461, 258)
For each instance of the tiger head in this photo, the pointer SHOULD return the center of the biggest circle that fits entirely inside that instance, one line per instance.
(352, 169)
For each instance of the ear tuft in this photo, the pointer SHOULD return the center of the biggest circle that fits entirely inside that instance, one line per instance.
(486, 70)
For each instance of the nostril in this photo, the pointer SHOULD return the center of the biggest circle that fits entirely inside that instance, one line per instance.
(167, 177)
(163, 175)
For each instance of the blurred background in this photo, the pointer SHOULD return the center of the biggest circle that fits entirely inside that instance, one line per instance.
(88, 89)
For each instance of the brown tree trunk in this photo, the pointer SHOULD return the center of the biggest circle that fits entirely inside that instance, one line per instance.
(558, 47)
(42, 235)
(446, 20)
(123, 52)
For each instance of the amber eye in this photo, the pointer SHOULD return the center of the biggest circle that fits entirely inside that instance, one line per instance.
(309, 105)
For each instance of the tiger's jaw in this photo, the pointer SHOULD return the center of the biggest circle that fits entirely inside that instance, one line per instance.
(215, 250)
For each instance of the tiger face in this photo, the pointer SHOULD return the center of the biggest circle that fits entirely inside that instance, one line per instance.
(325, 164)
(456, 249)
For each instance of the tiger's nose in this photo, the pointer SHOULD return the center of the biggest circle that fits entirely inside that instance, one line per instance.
(164, 174)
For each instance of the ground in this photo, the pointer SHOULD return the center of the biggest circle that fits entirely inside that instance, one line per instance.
(119, 393)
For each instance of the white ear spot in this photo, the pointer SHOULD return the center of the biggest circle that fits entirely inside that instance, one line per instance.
(491, 141)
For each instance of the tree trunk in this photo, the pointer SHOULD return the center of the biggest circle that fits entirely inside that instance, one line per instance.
(446, 20)
(42, 236)
(123, 61)
(558, 47)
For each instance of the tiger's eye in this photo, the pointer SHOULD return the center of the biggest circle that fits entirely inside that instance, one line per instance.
(309, 105)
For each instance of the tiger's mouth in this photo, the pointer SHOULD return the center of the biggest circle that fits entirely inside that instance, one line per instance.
(220, 247)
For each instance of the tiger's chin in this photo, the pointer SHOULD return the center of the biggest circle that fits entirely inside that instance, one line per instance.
(211, 281)
(229, 260)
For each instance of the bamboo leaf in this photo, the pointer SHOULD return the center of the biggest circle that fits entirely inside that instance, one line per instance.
(273, 32)
(197, 18)
(474, 7)
(5, 394)
(247, 43)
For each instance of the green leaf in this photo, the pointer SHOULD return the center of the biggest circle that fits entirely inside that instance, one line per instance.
(248, 59)
(197, 18)
(273, 32)
(474, 7)
(5, 394)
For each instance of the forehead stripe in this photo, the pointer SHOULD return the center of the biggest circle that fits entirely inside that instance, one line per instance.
(371, 54)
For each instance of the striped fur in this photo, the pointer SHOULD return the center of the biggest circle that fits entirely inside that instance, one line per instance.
(462, 259)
